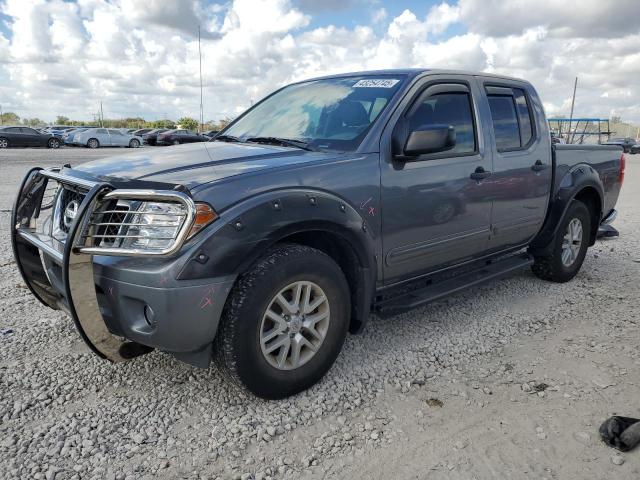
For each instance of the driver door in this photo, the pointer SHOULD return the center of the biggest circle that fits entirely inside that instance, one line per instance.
(436, 208)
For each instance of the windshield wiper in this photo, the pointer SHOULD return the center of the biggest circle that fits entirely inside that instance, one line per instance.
(287, 142)
(225, 138)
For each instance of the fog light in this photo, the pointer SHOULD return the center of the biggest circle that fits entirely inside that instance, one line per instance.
(149, 316)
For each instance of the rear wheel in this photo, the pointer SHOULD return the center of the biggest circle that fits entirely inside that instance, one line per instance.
(134, 143)
(93, 143)
(4, 143)
(569, 246)
(285, 322)
(53, 143)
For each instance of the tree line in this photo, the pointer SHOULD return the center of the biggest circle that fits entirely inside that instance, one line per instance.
(11, 118)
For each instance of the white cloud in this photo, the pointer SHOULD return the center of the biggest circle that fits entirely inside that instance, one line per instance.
(141, 58)
(441, 16)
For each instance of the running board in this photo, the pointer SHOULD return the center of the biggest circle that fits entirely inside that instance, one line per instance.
(437, 290)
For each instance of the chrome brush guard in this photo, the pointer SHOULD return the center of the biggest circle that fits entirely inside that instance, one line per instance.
(54, 249)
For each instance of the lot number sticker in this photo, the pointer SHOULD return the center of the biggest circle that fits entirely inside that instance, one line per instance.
(375, 83)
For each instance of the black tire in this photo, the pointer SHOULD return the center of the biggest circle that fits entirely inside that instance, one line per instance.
(4, 143)
(550, 266)
(93, 143)
(238, 351)
(134, 143)
(53, 143)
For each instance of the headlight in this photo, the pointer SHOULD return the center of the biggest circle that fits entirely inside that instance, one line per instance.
(157, 224)
(144, 222)
(156, 228)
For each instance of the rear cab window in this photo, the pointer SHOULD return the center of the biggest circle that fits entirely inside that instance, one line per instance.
(512, 118)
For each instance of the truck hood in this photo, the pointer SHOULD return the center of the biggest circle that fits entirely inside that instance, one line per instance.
(195, 164)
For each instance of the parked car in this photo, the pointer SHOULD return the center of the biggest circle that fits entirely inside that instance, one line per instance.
(140, 132)
(67, 137)
(626, 143)
(105, 137)
(211, 133)
(264, 247)
(151, 137)
(179, 136)
(635, 148)
(26, 137)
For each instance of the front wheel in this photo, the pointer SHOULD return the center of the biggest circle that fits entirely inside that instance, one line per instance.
(285, 322)
(176, 142)
(93, 143)
(53, 143)
(4, 143)
(568, 247)
(134, 143)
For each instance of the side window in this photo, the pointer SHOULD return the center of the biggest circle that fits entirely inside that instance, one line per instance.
(447, 109)
(14, 130)
(114, 132)
(505, 121)
(377, 107)
(524, 116)
(101, 131)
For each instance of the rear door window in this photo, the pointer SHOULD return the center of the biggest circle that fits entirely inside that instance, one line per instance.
(512, 118)
(505, 121)
(524, 116)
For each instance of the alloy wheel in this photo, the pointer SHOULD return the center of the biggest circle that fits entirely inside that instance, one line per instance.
(294, 325)
(572, 242)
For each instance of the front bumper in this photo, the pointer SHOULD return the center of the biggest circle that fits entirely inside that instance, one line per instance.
(121, 306)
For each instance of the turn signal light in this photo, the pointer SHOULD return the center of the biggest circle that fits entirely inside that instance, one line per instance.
(204, 216)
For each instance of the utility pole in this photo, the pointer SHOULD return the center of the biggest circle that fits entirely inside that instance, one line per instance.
(101, 115)
(573, 101)
(201, 108)
(1, 117)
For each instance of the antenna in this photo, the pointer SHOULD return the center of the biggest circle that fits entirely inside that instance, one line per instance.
(201, 108)
(573, 100)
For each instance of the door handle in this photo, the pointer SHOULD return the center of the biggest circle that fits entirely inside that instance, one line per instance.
(538, 166)
(479, 174)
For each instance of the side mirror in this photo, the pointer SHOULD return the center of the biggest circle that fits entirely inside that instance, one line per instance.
(431, 139)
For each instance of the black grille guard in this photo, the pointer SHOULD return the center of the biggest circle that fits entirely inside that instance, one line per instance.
(77, 294)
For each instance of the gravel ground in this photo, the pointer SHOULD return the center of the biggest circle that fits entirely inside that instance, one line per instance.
(510, 380)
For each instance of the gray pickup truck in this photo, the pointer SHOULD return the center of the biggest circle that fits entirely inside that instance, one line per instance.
(331, 198)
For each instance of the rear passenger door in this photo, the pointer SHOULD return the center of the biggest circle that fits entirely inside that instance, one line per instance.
(16, 137)
(521, 180)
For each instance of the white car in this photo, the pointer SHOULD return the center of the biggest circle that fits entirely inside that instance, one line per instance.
(106, 137)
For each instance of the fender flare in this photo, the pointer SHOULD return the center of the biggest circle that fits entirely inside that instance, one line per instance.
(576, 180)
(245, 231)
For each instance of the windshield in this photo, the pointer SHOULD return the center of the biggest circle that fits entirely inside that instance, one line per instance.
(330, 114)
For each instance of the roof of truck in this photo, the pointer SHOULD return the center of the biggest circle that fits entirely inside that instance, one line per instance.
(413, 72)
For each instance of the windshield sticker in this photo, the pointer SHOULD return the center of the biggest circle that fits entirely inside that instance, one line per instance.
(376, 83)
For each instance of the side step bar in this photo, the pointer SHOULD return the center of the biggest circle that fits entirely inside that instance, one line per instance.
(491, 271)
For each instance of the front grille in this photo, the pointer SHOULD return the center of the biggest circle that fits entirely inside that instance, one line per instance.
(66, 217)
(112, 223)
